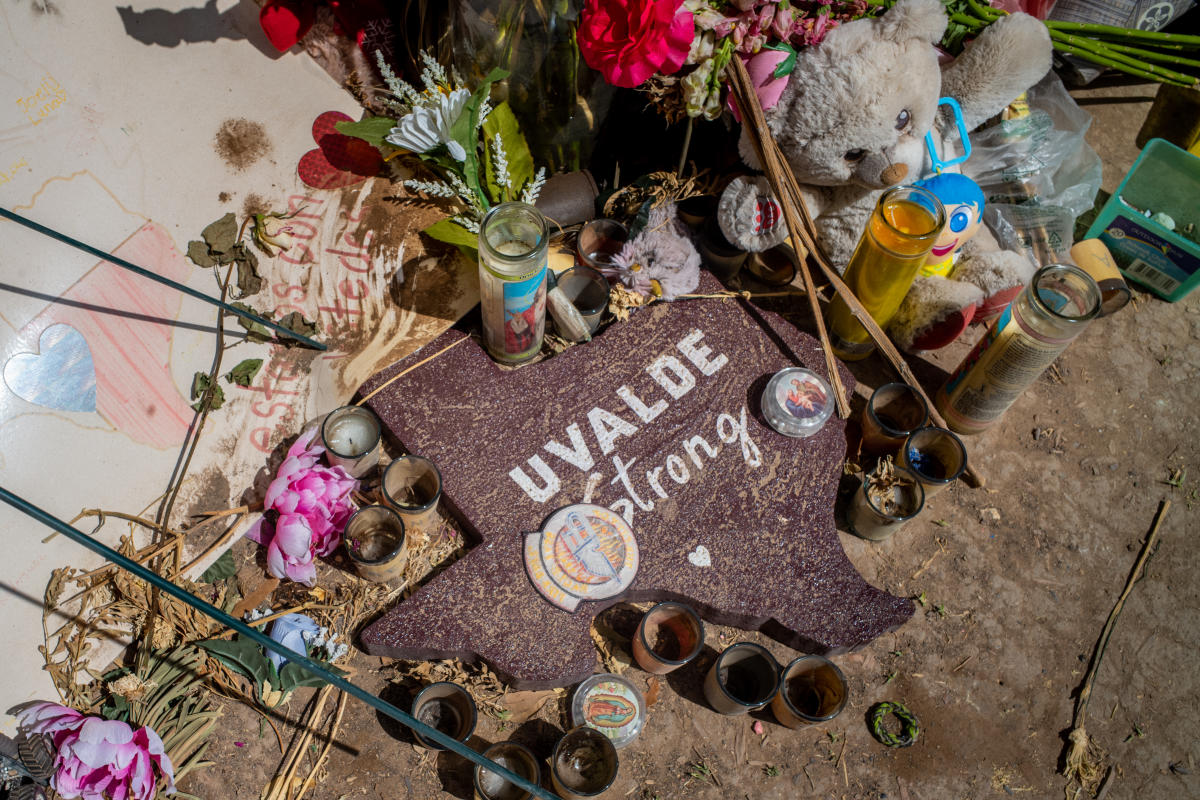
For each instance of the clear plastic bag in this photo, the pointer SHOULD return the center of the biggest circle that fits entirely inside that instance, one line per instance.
(1037, 172)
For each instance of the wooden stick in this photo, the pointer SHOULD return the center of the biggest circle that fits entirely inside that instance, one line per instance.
(776, 169)
(788, 191)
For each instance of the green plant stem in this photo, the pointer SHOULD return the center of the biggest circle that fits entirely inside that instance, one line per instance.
(1120, 67)
(1101, 54)
(1113, 32)
(1150, 55)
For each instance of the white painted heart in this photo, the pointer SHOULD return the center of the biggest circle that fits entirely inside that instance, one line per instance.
(700, 557)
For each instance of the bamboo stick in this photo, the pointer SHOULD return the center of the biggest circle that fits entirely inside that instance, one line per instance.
(788, 192)
(760, 134)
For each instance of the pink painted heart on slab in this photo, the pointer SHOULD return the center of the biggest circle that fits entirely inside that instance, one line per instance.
(339, 160)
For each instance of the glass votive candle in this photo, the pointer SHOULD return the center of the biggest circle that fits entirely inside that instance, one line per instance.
(598, 243)
(412, 485)
(351, 435)
(515, 758)
(584, 764)
(744, 677)
(893, 411)
(936, 456)
(669, 636)
(376, 543)
(812, 690)
(774, 267)
(448, 708)
(884, 502)
(722, 258)
(797, 402)
(588, 291)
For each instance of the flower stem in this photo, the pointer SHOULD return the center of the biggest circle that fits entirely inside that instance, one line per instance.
(1101, 54)
(1102, 60)
(1128, 34)
(1150, 55)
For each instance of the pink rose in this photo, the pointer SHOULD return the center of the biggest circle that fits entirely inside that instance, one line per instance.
(96, 758)
(630, 40)
(311, 504)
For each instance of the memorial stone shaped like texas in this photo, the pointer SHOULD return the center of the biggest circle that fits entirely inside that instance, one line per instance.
(658, 418)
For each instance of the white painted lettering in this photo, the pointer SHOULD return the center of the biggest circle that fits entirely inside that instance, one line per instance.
(677, 469)
(655, 484)
(622, 469)
(638, 407)
(537, 494)
(577, 455)
(608, 426)
(624, 507)
(699, 441)
(681, 384)
(698, 353)
(732, 430)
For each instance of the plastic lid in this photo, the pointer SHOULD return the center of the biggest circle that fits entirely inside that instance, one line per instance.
(797, 402)
(611, 705)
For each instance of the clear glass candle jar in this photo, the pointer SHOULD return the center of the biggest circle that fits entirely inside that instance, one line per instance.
(513, 240)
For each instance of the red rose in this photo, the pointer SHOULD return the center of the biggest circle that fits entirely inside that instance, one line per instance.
(630, 40)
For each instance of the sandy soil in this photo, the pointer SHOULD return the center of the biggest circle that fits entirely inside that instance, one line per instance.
(1016, 578)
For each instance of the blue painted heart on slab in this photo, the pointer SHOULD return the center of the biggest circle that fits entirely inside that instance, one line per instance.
(60, 375)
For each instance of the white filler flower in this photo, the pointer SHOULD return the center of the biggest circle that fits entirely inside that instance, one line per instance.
(429, 126)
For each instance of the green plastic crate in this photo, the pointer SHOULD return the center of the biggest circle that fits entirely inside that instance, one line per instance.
(1163, 179)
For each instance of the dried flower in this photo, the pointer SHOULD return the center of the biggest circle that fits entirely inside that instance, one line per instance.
(96, 758)
(311, 504)
(273, 233)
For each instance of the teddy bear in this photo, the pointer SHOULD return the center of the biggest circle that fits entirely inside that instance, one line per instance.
(852, 121)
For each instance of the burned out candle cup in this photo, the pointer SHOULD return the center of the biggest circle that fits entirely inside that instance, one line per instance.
(584, 764)
(812, 690)
(744, 677)
(351, 435)
(412, 485)
(376, 542)
(514, 757)
(448, 708)
(774, 267)
(881, 507)
(598, 243)
(936, 456)
(893, 412)
(669, 636)
(588, 291)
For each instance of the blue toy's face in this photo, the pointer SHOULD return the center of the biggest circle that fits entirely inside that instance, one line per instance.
(962, 221)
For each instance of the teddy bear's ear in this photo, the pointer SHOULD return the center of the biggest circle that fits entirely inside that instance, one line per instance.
(913, 19)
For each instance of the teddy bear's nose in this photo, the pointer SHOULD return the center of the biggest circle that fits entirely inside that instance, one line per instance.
(893, 174)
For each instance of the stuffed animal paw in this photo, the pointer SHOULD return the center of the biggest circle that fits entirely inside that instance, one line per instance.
(750, 216)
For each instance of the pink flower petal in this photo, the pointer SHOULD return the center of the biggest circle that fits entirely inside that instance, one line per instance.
(293, 535)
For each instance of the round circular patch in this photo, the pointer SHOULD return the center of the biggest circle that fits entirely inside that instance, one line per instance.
(585, 552)
(610, 704)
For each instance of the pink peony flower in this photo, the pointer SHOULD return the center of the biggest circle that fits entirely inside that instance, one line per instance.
(761, 69)
(95, 758)
(311, 504)
(630, 40)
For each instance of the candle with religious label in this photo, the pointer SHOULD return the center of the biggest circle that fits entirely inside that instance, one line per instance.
(351, 435)
(902, 229)
(513, 239)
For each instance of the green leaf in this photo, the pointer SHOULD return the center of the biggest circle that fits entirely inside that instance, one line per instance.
(520, 163)
(786, 66)
(371, 130)
(220, 569)
(296, 323)
(464, 131)
(222, 234)
(198, 252)
(243, 375)
(200, 384)
(248, 280)
(450, 232)
(293, 676)
(255, 331)
(242, 655)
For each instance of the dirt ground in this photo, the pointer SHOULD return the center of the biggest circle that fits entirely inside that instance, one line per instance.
(1015, 581)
